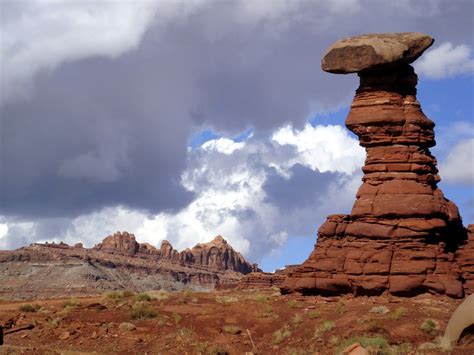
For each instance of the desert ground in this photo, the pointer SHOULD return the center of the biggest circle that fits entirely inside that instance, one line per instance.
(227, 322)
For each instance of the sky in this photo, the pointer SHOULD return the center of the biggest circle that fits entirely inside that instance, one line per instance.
(182, 120)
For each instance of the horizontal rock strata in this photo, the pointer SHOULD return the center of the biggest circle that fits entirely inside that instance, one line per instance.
(402, 236)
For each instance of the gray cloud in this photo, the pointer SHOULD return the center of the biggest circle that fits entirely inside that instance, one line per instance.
(109, 126)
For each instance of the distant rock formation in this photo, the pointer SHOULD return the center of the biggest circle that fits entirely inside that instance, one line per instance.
(217, 254)
(402, 236)
(118, 262)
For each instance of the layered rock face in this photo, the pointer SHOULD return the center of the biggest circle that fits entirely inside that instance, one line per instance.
(217, 254)
(402, 236)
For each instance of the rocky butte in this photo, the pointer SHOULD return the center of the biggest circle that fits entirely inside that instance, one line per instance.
(118, 262)
(402, 236)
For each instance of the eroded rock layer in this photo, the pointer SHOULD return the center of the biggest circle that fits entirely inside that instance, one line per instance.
(402, 236)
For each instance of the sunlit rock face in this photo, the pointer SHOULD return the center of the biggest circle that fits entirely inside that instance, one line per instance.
(402, 236)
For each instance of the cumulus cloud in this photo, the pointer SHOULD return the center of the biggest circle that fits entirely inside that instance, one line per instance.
(445, 61)
(458, 166)
(256, 193)
(100, 99)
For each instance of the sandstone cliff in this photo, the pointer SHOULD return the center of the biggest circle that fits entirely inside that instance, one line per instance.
(118, 262)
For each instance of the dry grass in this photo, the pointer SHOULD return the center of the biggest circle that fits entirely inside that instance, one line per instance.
(142, 310)
(326, 326)
(30, 308)
(281, 334)
(231, 329)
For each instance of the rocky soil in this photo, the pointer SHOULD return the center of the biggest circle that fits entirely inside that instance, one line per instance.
(227, 322)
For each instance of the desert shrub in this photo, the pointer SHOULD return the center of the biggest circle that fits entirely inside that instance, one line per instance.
(128, 293)
(161, 295)
(341, 307)
(141, 310)
(231, 329)
(379, 310)
(72, 302)
(31, 308)
(127, 326)
(226, 299)
(313, 314)
(297, 319)
(430, 326)
(267, 311)
(376, 342)
(114, 295)
(261, 298)
(54, 322)
(326, 326)
(177, 318)
(334, 340)
(281, 334)
(142, 297)
(217, 350)
(292, 304)
(375, 327)
(398, 313)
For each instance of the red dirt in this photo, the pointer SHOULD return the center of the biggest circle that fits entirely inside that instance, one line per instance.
(204, 315)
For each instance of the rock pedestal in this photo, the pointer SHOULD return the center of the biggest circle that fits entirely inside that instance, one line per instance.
(402, 236)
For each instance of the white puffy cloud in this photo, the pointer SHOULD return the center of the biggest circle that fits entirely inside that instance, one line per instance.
(445, 61)
(255, 193)
(458, 166)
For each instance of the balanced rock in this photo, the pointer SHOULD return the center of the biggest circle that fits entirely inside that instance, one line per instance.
(402, 236)
(376, 50)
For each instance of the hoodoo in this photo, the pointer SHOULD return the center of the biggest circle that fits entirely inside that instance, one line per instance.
(402, 236)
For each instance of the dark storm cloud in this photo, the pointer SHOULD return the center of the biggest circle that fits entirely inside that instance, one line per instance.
(303, 188)
(104, 132)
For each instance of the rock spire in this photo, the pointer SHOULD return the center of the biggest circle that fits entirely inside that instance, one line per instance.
(402, 236)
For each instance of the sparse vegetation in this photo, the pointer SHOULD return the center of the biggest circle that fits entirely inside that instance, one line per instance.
(128, 293)
(177, 318)
(261, 298)
(217, 350)
(231, 329)
(398, 313)
(430, 327)
(281, 334)
(375, 326)
(267, 311)
(313, 314)
(114, 295)
(292, 304)
(127, 326)
(297, 319)
(30, 308)
(161, 295)
(379, 310)
(72, 302)
(326, 326)
(334, 340)
(376, 342)
(341, 307)
(143, 297)
(226, 299)
(142, 310)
